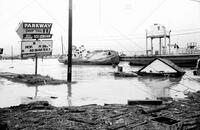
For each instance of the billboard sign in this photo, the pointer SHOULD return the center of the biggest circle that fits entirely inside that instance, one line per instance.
(37, 25)
(36, 48)
(33, 28)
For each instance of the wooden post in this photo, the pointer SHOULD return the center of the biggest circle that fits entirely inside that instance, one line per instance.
(151, 46)
(12, 53)
(146, 43)
(36, 62)
(169, 42)
(160, 46)
(165, 48)
(62, 44)
(69, 70)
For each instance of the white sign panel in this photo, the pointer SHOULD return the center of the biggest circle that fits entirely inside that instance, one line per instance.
(29, 55)
(33, 28)
(39, 48)
(37, 25)
(37, 31)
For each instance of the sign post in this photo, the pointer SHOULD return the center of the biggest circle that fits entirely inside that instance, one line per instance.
(36, 64)
(31, 46)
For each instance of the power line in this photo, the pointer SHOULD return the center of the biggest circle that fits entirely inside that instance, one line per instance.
(190, 78)
(125, 36)
(196, 1)
(19, 11)
(115, 40)
(49, 14)
(141, 37)
(187, 29)
(187, 33)
(150, 14)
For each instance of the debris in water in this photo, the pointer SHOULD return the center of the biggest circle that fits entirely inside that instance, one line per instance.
(31, 79)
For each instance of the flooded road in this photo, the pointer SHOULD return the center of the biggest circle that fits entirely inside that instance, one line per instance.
(94, 84)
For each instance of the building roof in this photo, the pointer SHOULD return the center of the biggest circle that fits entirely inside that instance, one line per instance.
(170, 66)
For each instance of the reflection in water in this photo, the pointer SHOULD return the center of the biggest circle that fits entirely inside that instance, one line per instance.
(159, 86)
(2, 82)
(35, 97)
(53, 96)
(69, 94)
(36, 91)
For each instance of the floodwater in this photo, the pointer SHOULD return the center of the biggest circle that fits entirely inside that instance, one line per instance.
(94, 84)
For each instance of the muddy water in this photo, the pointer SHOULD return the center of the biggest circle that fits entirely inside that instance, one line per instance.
(94, 84)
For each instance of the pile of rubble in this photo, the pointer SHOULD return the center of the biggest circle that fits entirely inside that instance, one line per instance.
(182, 114)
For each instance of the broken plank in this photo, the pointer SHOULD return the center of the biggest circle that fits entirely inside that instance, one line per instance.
(144, 102)
(157, 109)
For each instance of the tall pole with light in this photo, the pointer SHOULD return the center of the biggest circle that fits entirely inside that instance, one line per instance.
(69, 70)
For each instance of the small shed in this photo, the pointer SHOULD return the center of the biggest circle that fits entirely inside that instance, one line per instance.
(161, 67)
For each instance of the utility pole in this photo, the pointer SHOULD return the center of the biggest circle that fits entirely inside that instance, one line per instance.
(146, 43)
(69, 70)
(36, 64)
(62, 44)
(36, 61)
(12, 52)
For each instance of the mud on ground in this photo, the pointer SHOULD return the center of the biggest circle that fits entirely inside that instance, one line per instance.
(31, 79)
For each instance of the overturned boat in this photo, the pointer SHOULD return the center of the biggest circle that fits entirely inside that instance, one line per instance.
(97, 57)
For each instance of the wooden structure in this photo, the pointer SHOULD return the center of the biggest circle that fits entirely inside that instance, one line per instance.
(161, 67)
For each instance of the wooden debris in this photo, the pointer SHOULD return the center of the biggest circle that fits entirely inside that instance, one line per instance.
(156, 109)
(165, 123)
(183, 114)
(144, 102)
(125, 74)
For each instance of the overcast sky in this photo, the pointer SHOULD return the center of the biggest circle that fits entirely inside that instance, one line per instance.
(101, 24)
